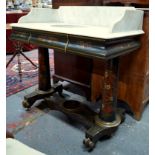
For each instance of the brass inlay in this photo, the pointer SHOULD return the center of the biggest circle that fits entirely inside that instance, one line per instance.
(66, 44)
(29, 38)
(102, 123)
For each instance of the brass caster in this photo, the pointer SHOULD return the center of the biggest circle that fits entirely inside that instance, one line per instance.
(26, 104)
(89, 144)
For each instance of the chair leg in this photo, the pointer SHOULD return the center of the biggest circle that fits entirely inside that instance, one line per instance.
(15, 53)
(19, 50)
(28, 59)
(19, 67)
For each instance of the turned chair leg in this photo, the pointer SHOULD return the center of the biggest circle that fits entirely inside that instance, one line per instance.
(19, 51)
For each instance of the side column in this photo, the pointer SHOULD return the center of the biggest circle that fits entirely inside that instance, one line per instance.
(109, 91)
(44, 80)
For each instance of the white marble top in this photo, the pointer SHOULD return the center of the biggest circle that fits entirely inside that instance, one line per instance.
(81, 30)
(97, 22)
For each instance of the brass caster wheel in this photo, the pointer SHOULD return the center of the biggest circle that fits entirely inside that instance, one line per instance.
(89, 144)
(26, 104)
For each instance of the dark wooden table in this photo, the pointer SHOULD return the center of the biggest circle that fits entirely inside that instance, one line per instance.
(106, 121)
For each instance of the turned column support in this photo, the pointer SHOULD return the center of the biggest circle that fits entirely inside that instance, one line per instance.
(109, 91)
(44, 69)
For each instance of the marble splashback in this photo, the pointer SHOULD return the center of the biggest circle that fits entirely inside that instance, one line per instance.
(101, 21)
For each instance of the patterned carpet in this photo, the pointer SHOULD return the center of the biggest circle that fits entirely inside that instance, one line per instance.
(29, 72)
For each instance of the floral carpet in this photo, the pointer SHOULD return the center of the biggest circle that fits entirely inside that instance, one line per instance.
(29, 75)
